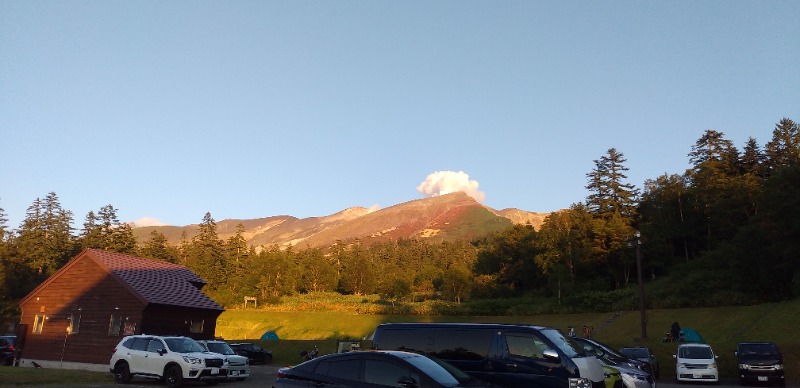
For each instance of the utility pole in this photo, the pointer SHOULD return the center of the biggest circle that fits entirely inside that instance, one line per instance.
(641, 284)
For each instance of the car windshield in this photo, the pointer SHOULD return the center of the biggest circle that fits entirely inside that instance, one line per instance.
(183, 345)
(697, 352)
(220, 347)
(432, 369)
(635, 352)
(568, 346)
(758, 350)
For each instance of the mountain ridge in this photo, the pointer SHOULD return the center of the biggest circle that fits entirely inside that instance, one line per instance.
(454, 216)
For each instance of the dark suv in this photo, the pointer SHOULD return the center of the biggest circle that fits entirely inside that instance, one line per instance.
(759, 362)
(255, 353)
(7, 347)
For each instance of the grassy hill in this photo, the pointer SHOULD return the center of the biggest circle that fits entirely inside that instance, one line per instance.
(721, 327)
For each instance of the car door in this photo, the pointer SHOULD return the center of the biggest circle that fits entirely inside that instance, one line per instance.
(136, 350)
(154, 357)
(526, 362)
(341, 372)
(387, 373)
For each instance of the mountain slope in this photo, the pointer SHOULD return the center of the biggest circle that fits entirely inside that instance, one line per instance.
(450, 217)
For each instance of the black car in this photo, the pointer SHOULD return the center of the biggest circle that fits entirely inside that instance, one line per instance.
(643, 354)
(759, 362)
(373, 368)
(255, 353)
(7, 347)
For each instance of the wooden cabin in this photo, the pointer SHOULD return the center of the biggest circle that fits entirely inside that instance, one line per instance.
(80, 314)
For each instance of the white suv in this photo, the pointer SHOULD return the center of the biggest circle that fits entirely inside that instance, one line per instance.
(171, 359)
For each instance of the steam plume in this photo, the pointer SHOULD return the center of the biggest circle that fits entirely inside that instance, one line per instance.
(446, 182)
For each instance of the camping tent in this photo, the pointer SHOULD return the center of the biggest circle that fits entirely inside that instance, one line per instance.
(690, 335)
(270, 335)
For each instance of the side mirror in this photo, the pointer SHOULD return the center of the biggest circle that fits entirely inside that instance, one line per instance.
(407, 382)
(675, 356)
(162, 352)
(551, 354)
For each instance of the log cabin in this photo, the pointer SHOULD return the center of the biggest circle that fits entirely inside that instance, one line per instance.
(76, 317)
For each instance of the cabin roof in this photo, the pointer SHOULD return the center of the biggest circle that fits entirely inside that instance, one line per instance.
(152, 281)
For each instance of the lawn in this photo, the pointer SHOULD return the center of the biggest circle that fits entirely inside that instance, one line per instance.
(721, 327)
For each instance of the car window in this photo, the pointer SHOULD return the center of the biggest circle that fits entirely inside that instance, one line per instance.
(696, 352)
(220, 347)
(183, 345)
(349, 369)
(526, 345)
(155, 345)
(386, 373)
(566, 345)
(137, 344)
(437, 370)
(635, 352)
(758, 349)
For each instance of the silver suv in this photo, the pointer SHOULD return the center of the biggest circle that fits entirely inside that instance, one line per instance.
(238, 366)
(172, 359)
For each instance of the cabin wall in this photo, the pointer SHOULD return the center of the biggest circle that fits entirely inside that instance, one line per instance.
(85, 298)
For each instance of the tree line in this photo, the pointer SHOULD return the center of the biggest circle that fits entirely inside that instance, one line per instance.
(725, 231)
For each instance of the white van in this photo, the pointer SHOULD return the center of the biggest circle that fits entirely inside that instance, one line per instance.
(696, 362)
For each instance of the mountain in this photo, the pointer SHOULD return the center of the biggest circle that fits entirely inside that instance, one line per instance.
(450, 217)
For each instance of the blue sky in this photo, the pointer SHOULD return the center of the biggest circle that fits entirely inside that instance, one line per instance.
(250, 109)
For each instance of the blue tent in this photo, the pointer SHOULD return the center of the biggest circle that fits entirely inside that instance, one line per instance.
(690, 335)
(270, 335)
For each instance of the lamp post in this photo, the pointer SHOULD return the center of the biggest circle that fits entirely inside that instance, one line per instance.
(641, 284)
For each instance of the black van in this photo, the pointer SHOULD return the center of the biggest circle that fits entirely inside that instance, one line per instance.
(759, 362)
(502, 354)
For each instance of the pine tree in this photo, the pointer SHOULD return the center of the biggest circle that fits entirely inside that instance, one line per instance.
(207, 257)
(784, 148)
(609, 192)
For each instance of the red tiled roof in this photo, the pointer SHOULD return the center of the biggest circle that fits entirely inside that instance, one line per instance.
(156, 281)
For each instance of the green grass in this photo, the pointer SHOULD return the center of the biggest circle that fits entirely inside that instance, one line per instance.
(721, 327)
(45, 376)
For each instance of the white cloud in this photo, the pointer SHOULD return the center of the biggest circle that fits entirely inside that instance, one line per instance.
(148, 221)
(446, 182)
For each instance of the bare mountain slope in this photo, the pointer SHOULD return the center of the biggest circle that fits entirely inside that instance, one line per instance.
(455, 216)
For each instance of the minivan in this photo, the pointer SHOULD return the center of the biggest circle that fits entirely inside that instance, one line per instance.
(696, 362)
(759, 362)
(502, 354)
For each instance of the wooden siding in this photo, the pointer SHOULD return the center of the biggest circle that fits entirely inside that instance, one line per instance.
(171, 320)
(86, 290)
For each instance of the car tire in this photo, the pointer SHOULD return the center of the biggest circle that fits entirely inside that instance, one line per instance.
(173, 376)
(122, 373)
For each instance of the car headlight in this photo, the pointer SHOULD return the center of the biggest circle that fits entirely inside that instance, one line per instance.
(712, 365)
(778, 366)
(193, 360)
(681, 365)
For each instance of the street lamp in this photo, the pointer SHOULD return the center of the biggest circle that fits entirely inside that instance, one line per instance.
(641, 284)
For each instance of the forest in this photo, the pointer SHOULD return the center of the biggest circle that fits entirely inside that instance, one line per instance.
(724, 232)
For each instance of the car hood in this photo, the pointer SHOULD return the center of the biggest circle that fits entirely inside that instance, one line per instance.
(761, 360)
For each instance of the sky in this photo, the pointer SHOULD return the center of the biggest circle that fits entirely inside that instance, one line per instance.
(250, 109)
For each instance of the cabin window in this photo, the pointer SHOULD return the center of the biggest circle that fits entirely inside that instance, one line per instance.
(114, 326)
(74, 324)
(197, 326)
(38, 323)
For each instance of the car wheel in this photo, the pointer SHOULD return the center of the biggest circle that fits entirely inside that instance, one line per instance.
(173, 376)
(122, 373)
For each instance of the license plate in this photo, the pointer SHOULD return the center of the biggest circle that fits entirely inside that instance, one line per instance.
(697, 376)
(762, 378)
(214, 371)
(234, 373)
